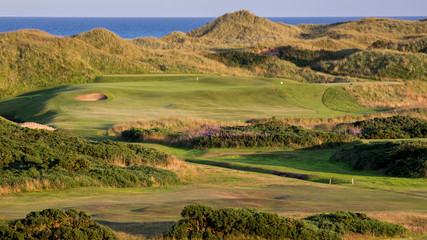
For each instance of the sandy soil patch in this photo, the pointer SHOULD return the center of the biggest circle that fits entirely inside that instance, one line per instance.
(34, 125)
(92, 97)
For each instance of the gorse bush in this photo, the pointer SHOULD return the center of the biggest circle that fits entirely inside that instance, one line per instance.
(404, 159)
(342, 222)
(56, 224)
(273, 133)
(240, 58)
(305, 57)
(151, 135)
(38, 159)
(203, 222)
(392, 128)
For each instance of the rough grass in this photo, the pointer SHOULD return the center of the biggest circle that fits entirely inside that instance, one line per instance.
(34, 59)
(379, 65)
(413, 94)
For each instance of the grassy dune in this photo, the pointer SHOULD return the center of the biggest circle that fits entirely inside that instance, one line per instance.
(31, 58)
(34, 59)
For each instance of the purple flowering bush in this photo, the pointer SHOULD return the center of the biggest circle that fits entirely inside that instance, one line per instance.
(273, 133)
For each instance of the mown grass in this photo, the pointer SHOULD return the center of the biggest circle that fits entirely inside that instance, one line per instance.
(314, 163)
(207, 97)
(339, 99)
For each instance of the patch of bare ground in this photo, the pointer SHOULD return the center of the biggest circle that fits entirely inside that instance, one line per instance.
(34, 125)
(92, 97)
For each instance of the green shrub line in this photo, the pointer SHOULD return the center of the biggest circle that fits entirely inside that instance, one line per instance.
(403, 159)
(305, 57)
(203, 222)
(56, 224)
(38, 159)
(396, 127)
(273, 133)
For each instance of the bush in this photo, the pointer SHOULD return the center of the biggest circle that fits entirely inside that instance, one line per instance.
(154, 134)
(38, 159)
(273, 133)
(405, 159)
(392, 128)
(56, 224)
(342, 222)
(206, 223)
(239, 58)
(305, 57)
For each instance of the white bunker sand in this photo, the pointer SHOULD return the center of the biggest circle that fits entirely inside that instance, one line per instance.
(92, 97)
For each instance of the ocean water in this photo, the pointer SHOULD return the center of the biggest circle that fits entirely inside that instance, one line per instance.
(141, 27)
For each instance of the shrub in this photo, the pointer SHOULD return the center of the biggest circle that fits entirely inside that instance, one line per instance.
(206, 223)
(305, 57)
(33, 159)
(239, 58)
(56, 224)
(342, 222)
(406, 159)
(273, 133)
(394, 127)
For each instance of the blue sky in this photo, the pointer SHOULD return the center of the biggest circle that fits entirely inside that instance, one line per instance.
(211, 8)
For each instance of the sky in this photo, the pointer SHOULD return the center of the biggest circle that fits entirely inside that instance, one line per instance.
(210, 8)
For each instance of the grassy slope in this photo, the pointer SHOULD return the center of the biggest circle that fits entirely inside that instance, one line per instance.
(32, 59)
(380, 65)
(244, 27)
(213, 97)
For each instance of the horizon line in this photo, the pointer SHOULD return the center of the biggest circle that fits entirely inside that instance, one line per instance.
(367, 16)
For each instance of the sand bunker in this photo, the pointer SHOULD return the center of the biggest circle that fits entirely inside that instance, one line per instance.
(34, 125)
(92, 97)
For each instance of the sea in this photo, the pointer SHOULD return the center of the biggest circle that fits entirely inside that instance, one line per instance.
(129, 28)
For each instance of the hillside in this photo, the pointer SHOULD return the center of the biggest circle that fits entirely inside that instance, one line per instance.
(32, 59)
(362, 33)
(379, 65)
(244, 27)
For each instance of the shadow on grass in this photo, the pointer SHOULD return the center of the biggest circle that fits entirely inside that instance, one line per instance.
(147, 229)
(255, 169)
